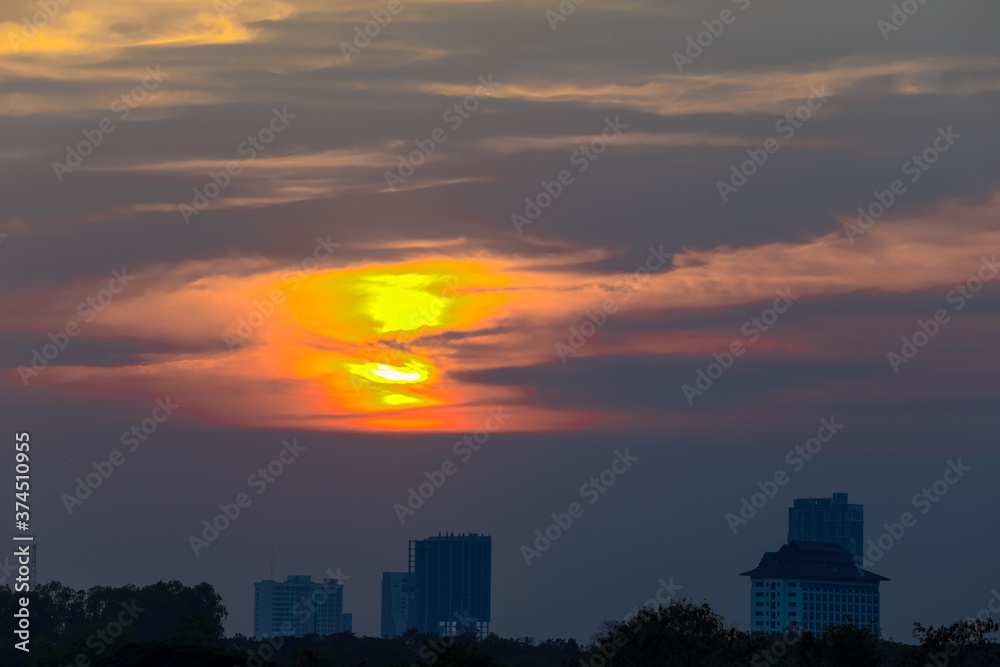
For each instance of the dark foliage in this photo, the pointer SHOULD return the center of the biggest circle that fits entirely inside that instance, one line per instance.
(169, 624)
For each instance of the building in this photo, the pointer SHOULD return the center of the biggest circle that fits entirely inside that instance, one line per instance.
(397, 590)
(298, 606)
(811, 584)
(450, 576)
(828, 520)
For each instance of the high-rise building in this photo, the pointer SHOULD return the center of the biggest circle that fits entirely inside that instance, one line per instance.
(397, 591)
(811, 585)
(450, 576)
(828, 520)
(298, 606)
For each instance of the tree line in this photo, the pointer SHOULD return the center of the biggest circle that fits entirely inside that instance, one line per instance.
(168, 624)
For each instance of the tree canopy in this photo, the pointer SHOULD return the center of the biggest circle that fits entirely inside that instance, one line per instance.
(168, 624)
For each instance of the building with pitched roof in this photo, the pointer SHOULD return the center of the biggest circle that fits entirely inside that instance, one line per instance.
(812, 585)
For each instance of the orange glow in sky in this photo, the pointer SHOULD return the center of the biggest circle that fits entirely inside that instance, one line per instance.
(361, 330)
(404, 344)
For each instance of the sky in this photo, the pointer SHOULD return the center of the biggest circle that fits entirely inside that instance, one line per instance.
(492, 247)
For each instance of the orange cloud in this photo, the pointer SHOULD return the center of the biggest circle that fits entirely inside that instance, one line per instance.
(396, 345)
(762, 91)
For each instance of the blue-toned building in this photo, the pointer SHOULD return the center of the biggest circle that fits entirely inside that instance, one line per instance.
(299, 606)
(811, 585)
(397, 593)
(828, 520)
(450, 577)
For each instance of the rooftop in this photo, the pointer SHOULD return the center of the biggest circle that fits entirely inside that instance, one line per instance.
(812, 560)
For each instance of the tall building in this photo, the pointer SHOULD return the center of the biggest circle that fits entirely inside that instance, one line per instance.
(450, 576)
(397, 590)
(298, 606)
(811, 584)
(828, 520)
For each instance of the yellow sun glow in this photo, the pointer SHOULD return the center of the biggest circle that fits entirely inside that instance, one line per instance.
(367, 325)
(413, 371)
(403, 302)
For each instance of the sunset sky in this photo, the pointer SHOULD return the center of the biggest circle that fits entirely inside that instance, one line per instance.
(689, 229)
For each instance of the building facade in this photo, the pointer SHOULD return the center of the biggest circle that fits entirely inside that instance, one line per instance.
(298, 606)
(812, 585)
(828, 520)
(397, 591)
(450, 577)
